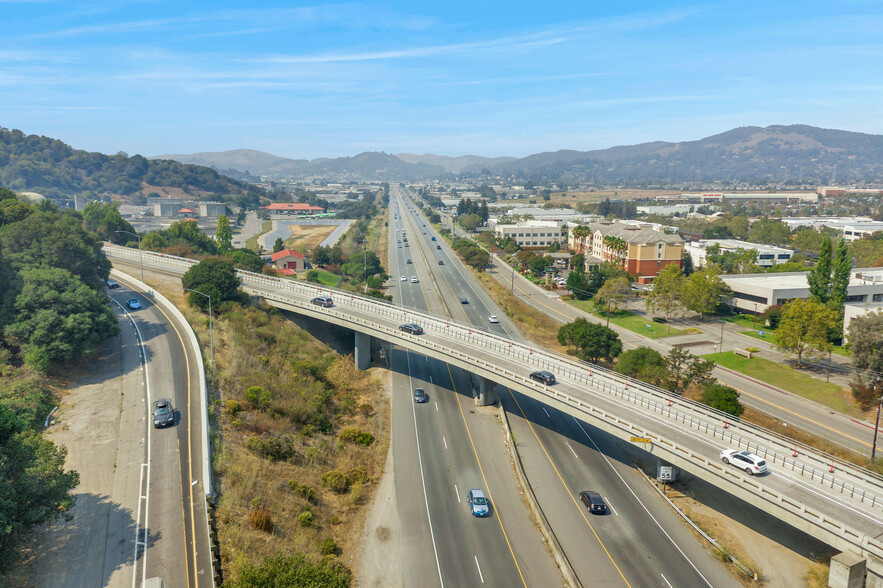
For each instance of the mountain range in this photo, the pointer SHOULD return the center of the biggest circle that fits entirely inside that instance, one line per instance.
(795, 155)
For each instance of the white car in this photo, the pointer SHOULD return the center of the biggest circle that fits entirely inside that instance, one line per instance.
(752, 464)
(493, 319)
(414, 279)
(404, 278)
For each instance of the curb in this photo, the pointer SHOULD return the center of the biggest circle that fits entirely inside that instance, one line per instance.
(551, 540)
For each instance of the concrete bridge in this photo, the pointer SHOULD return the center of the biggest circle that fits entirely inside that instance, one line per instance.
(838, 503)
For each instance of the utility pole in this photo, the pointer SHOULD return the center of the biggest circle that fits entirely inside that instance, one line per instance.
(722, 337)
(877, 390)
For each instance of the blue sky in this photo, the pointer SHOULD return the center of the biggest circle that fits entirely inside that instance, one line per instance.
(482, 77)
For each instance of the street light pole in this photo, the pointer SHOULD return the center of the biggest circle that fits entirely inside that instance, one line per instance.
(877, 389)
(366, 268)
(140, 251)
(211, 331)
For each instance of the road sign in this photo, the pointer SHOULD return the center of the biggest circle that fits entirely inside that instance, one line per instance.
(641, 440)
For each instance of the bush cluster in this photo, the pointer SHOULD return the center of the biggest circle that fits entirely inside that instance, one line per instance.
(356, 435)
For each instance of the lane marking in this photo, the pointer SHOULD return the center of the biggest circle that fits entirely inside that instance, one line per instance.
(457, 493)
(546, 411)
(479, 570)
(445, 441)
(572, 451)
(607, 501)
(666, 581)
(499, 517)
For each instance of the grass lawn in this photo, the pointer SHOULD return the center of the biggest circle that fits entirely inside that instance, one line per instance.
(770, 337)
(631, 321)
(327, 278)
(746, 321)
(786, 378)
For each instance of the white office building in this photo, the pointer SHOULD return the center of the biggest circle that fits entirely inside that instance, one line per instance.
(531, 233)
(754, 293)
(767, 255)
(851, 228)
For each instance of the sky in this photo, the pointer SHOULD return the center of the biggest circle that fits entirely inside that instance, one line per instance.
(486, 77)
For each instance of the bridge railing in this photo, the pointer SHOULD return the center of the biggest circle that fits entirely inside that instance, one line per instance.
(853, 481)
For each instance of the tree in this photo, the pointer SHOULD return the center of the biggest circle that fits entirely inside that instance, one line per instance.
(214, 277)
(819, 277)
(57, 317)
(612, 295)
(803, 328)
(590, 341)
(578, 282)
(723, 398)
(684, 369)
(688, 264)
(704, 291)
(644, 364)
(667, 293)
(770, 231)
(840, 274)
(247, 259)
(866, 341)
(105, 219)
(224, 234)
(469, 221)
(279, 245)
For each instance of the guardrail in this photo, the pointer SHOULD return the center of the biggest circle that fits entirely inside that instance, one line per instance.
(850, 481)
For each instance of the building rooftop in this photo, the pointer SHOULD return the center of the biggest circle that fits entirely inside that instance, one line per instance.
(634, 233)
(796, 280)
(286, 253)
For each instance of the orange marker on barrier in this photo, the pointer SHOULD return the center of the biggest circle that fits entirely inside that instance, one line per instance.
(725, 423)
(795, 451)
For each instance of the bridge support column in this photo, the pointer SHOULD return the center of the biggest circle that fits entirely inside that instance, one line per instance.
(847, 570)
(363, 351)
(487, 392)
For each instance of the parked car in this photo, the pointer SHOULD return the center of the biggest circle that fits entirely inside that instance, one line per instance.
(593, 502)
(543, 377)
(163, 413)
(752, 464)
(477, 503)
(111, 284)
(493, 319)
(420, 396)
(411, 328)
(133, 304)
(324, 301)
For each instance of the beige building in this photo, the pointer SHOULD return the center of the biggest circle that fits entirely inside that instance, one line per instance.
(641, 251)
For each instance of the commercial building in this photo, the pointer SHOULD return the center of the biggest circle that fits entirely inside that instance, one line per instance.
(640, 250)
(180, 208)
(851, 228)
(293, 208)
(767, 255)
(531, 233)
(754, 293)
(741, 196)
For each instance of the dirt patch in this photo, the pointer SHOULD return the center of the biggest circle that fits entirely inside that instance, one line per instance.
(308, 237)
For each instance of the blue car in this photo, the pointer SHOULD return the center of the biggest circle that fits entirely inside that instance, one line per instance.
(133, 304)
(478, 503)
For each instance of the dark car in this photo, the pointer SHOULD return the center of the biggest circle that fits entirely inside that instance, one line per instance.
(438, 246)
(163, 413)
(543, 377)
(420, 396)
(408, 260)
(464, 301)
(325, 301)
(411, 328)
(441, 261)
(593, 501)
(133, 304)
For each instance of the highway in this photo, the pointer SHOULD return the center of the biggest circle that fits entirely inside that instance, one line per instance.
(443, 448)
(629, 546)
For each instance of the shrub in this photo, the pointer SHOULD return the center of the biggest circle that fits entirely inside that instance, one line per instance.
(305, 491)
(336, 480)
(723, 398)
(233, 407)
(356, 476)
(312, 275)
(274, 446)
(258, 397)
(305, 518)
(356, 493)
(356, 435)
(328, 546)
(260, 519)
(366, 409)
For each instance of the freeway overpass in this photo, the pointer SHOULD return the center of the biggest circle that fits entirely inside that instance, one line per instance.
(832, 500)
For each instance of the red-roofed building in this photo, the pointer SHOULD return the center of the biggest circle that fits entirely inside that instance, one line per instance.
(288, 260)
(293, 208)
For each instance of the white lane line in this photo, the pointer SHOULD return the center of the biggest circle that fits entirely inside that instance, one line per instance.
(436, 406)
(457, 493)
(430, 379)
(544, 410)
(572, 451)
(445, 441)
(423, 477)
(666, 581)
(479, 569)
(661, 528)
(610, 506)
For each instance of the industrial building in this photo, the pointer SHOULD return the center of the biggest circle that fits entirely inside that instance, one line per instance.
(531, 233)
(767, 255)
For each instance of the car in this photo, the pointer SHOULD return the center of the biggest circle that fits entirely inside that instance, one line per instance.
(752, 464)
(111, 284)
(414, 280)
(464, 301)
(493, 319)
(438, 246)
(163, 413)
(412, 328)
(406, 245)
(420, 396)
(404, 279)
(543, 377)
(408, 260)
(324, 301)
(441, 261)
(478, 504)
(399, 245)
(133, 304)
(433, 238)
(593, 502)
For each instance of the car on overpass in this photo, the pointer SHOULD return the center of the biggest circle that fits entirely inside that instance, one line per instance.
(411, 328)
(323, 301)
(593, 501)
(543, 377)
(477, 503)
(752, 464)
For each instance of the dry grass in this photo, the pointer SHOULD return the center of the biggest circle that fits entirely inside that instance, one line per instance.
(817, 574)
(312, 394)
(308, 237)
(252, 242)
